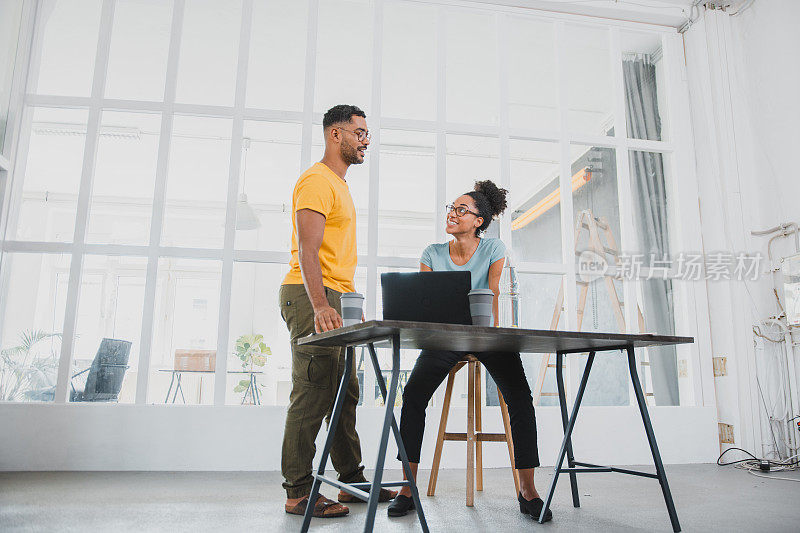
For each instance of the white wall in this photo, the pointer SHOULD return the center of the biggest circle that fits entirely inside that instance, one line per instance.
(769, 81)
(744, 79)
(158, 437)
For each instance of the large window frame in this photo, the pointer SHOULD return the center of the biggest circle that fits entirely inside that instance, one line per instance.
(693, 321)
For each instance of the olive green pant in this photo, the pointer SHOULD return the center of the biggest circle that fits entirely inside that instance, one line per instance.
(316, 372)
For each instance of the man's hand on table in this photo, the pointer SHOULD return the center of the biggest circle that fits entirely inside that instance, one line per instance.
(326, 318)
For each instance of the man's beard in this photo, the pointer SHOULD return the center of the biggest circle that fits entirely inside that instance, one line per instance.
(350, 155)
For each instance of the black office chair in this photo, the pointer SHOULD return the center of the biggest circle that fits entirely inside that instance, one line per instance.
(104, 378)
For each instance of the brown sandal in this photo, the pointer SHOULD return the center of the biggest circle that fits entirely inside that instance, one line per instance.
(384, 496)
(324, 508)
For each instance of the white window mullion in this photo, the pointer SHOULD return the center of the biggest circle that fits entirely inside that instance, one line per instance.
(220, 372)
(441, 137)
(627, 235)
(374, 188)
(159, 200)
(531, 267)
(310, 81)
(37, 45)
(37, 247)
(261, 256)
(84, 199)
(567, 219)
(501, 21)
(441, 114)
(374, 165)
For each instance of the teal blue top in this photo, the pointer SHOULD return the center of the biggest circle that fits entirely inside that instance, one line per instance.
(437, 257)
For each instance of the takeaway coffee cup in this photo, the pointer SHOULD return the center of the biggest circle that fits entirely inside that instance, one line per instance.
(480, 306)
(352, 305)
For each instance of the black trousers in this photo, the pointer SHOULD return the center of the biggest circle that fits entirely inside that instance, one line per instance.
(505, 367)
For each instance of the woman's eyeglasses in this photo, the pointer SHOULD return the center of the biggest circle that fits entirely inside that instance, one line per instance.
(459, 210)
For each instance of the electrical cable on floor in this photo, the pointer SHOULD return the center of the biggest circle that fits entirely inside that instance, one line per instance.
(755, 464)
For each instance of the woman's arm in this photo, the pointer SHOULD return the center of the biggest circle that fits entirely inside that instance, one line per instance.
(425, 268)
(495, 270)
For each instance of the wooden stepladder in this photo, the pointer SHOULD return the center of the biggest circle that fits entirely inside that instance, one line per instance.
(585, 220)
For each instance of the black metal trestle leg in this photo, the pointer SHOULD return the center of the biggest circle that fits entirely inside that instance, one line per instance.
(337, 409)
(651, 439)
(562, 402)
(388, 418)
(400, 446)
(169, 390)
(568, 431)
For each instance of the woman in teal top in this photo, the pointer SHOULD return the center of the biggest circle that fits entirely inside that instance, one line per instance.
(467, 219)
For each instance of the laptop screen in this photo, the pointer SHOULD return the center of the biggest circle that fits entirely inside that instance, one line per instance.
(440, 297)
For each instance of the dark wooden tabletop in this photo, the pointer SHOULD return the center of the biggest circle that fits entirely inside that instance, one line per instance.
(457, 337)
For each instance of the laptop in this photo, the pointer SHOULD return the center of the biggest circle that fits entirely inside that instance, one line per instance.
(440, 297)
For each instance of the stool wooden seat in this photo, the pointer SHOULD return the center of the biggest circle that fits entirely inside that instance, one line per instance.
(474, 437)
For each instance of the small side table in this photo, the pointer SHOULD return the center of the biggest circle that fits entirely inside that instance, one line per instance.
(252, 387)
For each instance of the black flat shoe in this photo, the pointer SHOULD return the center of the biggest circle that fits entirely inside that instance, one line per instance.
(401, 505)
(534, 508)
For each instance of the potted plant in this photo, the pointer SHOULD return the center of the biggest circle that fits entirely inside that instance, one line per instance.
(27, 371)
(252, 351)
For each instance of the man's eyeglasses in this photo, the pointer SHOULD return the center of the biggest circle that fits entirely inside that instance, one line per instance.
(460, 210)
(361, 134)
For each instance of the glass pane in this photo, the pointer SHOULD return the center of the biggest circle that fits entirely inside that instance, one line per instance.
(254, 313)
(535, 201)
(406, 207)
(10, 17)
(472, 75)
(197, 183)
(412, 60)
(125, 171)
(532, 98)
(663, 374)
(209, 52)
(470, 159)
(271, 166)
(32, 307)
(588, 94)
(184, 350)
(654, 209)
(596, 209)
(357, 178)
(645, 95)
(137, 62)
(654, 217)
(52, 175)
(277, 80)
(344, 54)
(538, 294)
(107, 331)
(69, 46)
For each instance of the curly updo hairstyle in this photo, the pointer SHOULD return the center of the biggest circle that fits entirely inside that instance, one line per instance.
(490, 201)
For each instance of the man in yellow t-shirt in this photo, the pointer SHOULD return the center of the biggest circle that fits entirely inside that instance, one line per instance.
(322, 267)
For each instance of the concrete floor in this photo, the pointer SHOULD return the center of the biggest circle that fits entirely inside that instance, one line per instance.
(708, 498)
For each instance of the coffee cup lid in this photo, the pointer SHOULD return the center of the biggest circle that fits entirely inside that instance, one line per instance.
(481, 291)
(352, 295)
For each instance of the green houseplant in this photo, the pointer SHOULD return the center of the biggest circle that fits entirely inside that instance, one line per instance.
(28, 368)
(252, 351)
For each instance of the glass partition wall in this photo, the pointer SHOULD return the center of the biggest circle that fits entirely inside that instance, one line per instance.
(149, 221)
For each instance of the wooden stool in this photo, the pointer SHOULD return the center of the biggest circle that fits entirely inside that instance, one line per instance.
(474, 435)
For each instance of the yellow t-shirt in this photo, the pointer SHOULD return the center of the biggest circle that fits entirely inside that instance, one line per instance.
(321, 190)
